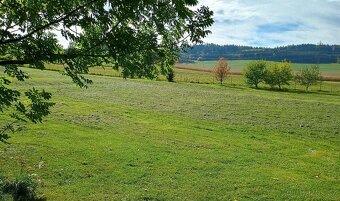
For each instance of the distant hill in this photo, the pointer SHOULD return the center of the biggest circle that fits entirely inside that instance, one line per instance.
(304, 53)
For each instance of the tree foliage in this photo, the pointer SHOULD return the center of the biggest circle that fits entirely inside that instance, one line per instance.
(255, 72)
(33, 108)
(142, 38)
(278, 74)
(308, 76)
(221, 70)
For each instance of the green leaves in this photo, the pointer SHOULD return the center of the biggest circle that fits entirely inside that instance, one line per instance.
(272, 73)
(255, 72)
(198, 24)
(7, 96)
(308, 76)
(14, 71)
(33, 108)
(114, 31)
(38, 107)
(278, 74)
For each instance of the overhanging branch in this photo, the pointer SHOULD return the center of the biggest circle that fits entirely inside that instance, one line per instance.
(47, 25)
(13, 62)
(55, 56)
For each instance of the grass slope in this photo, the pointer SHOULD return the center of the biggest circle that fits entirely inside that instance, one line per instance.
(146, 140)
(193, 76)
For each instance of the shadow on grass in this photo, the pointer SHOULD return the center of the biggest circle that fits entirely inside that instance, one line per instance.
(235, 86)
(295, 91)
(275, 90)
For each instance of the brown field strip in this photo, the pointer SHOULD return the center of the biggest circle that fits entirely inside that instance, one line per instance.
(331, 78)
(202, 69)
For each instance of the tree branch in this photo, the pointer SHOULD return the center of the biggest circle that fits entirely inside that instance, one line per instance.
(47, 25)
(13, 62)
(57, 56)
(4, 129)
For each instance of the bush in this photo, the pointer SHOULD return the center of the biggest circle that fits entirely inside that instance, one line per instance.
(278, 74)
(22, 189)
(170, 76)
(255, 72)
(308, 76)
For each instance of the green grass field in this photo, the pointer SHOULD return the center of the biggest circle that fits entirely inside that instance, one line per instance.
(192, 76)
(154, 140)
(238, 66)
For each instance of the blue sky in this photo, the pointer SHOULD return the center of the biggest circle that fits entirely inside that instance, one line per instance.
(271, 23)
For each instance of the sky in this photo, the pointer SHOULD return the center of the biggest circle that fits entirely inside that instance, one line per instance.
(271, 23)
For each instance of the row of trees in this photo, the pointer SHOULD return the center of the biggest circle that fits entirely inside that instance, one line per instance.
(279, 74)
(275, 74)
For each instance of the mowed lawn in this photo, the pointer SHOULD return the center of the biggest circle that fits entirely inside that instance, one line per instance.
(154, 140)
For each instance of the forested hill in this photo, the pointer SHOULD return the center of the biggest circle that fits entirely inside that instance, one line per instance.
(305, 53)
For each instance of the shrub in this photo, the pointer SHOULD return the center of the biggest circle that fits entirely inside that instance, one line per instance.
(278, 74)
(22, 189)
(221, 70)
(255, 72)
(170, 76)
(309, 76)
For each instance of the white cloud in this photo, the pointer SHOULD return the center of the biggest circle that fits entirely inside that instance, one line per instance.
(274, 22)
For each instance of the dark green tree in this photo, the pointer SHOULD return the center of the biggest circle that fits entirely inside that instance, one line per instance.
(140, 37)
(255, 72)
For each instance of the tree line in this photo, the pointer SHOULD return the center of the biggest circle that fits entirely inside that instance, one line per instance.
(304, 53)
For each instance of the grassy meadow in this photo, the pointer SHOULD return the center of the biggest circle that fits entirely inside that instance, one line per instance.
(204, 77)
(190, 140)
(238, 66)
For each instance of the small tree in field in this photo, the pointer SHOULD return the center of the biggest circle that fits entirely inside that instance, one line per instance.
(278, 74)
(255, 72)
(221, 70)
(309, 76)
